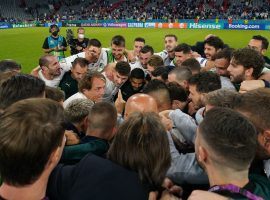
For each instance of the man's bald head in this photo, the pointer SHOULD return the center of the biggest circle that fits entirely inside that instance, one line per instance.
(140, 103)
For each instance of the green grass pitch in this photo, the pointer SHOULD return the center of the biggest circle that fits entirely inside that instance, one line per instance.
(25, 44)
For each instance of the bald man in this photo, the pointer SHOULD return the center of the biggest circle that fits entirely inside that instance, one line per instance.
(140, 103)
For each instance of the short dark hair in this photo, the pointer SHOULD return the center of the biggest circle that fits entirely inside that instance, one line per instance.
(177, 92)
(171, 35)
(159, 90)
(155, 61)
(154, 85)
(102, 116)
(222, 98)
(54, 93)
(147, 49)
(230, 136)
(141, 144)
(123, 68)
(139, 39)
(249, 58)
(30, 130)
(255, 105)
(160, 71)
(192, 64)
(44, 60)
(119, 40)
(87, 80)
(205, 82)
(94, 42)
(264, 40)
(18, 87)
(54, 26)
(82, 62)
(185, 48)
(137, 73)
(9, 65)
(225, 53)
(215, 42)
(181, 73)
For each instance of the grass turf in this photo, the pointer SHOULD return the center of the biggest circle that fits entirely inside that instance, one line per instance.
(25, 44)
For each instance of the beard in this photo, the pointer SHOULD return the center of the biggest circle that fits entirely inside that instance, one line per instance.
(237, 79)
(261, 153)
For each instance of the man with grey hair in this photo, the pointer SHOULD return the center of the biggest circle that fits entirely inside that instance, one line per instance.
(76, 114)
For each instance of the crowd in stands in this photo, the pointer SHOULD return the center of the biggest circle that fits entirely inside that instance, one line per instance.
(145, 10)
(190, 122)
(167, 10)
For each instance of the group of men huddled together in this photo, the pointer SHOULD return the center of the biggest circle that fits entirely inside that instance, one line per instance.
(190, 122)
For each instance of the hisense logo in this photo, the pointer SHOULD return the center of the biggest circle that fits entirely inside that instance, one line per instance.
(204, 26)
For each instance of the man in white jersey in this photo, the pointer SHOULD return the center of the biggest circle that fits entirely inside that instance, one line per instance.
(167, 55)
(144, 55)
(119, 75)
(94, 54)
(50, 70)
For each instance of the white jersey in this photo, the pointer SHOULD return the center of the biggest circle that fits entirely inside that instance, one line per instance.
(99, 65)
(77, 95)
(226, 83)
(101, 62)
(136, 64)
(267, 167)
(165, 57)
(68, 60)
(202, 61)
(110, 90)
(265, 70)
(54, 82)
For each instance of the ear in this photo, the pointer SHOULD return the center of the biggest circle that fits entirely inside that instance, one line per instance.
(113, 132)
(84, 124)
(43, 68)
(174, 104)
(263, 51)
(266, 140)
(84, 91)
(249, 72)
(185, 83)
(203, 155)
(55, 157)
(203, 96)
(125, 115)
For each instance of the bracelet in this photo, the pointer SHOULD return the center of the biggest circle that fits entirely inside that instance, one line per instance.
(266, 83)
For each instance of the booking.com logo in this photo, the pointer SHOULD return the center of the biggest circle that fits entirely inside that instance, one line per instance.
(244, 26)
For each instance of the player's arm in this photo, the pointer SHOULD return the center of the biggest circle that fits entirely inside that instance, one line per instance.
(34, 71)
